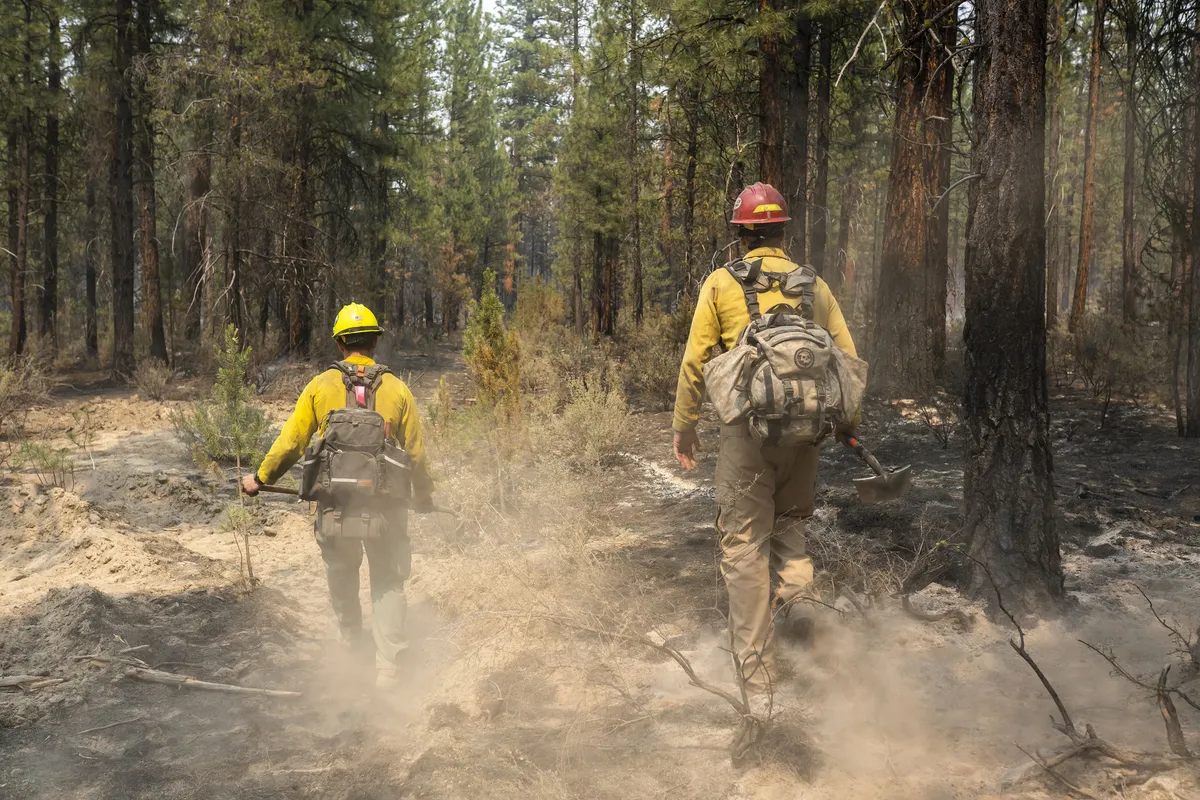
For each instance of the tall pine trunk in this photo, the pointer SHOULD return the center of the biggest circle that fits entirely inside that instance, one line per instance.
(195, 240)
(820, 199)
(841, 277)
(122, 196)
(1008, 480)
(1192, 428)
(48, 307)
(770, 106)
(1055, 217)
(906, 350)
(635, 85)
(152, 312)
(689, 191)
(1088, 208)
(24, 155)
(1128, 220)
(795, 168)
(91, 232)
(13, 181)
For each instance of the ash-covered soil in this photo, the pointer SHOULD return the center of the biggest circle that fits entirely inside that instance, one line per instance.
(524, 680)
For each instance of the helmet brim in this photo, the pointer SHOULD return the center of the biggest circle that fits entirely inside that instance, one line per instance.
(375, 329)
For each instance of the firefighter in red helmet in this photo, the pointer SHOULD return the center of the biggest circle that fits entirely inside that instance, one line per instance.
(764, 492)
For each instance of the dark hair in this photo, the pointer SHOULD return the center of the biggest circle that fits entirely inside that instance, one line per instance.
(763, 233)
(360, 341)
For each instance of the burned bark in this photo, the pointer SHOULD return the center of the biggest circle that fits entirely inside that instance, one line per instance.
(795, 168)
(912, 272)
(1088, 209)
(48, 301)
(770, 164)
(1129, 187)
(1008, 476)
(91, 232)
(122, 196)
(820, 198)
(152, 314)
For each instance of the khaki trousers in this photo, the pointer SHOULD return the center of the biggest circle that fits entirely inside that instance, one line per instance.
(764, 496)
(389, 562)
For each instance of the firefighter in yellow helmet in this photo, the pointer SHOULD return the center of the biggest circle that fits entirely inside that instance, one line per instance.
(366, 467)
(765, 490)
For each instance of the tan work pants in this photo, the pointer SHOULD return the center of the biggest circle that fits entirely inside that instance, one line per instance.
(764, 496)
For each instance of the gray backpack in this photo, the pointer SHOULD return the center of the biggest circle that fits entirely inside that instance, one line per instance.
(785, 378)
(357, 472)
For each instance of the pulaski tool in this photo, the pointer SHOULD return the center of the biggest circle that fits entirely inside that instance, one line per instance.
(883, 485)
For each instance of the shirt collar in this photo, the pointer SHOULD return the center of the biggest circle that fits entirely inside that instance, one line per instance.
(359, 360)
(762, 252)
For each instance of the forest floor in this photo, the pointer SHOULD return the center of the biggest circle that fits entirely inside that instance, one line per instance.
(524, 681)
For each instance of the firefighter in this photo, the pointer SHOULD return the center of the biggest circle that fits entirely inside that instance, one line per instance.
(356, 332)
(764, 493)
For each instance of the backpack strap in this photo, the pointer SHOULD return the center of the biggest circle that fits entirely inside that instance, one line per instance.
(361, 382)
(747, 273)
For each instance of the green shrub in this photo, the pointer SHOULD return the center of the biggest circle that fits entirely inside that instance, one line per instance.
(53, 466)
(227, 427)
(493, 354)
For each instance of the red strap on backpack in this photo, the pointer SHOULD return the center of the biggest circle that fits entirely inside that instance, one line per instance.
(360, 396)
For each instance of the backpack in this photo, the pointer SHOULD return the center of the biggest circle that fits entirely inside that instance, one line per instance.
(357, 472)
(785, 378)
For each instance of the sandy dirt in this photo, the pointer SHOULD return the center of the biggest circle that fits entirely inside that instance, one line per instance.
(520, 683)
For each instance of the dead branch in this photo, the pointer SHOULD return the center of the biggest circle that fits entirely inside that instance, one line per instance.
(960, 617)
(1135, 680)
(28, 683)
(113, 724)
(1184, 643)
(101, 659)
(183, 681)
(1050, 771)
(1175, 738)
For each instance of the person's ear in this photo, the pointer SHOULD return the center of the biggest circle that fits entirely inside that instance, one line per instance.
(341, 346)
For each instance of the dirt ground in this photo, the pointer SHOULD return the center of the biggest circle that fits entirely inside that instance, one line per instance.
(523, 681)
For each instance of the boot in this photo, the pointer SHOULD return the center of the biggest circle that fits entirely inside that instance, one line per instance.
(386, 674)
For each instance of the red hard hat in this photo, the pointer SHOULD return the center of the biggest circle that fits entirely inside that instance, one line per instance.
(758, 204)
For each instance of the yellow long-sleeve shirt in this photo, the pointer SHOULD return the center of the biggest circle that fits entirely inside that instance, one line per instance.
(721, 316)
(324, 393)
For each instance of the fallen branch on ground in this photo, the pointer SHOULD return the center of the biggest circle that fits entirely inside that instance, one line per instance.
(28, 683)
(1050, 771)
(113, 725)
(183, 681)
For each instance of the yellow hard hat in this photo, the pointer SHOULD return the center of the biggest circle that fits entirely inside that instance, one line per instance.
(355, 318)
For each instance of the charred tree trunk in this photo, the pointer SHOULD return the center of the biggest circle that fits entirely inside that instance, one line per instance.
(1054, 87)
(24, 167)
(1128, 221)
(907, 354)
(1192, 428)
(820, 200)
(770, 106)
(48, 307)
(841, 278)
(91, 232)
(689, 192)
(152, 314)
(635, 85)
(13, 181)
(194, 239)
(427, 300)
(122, 196)
(1008, 481)
(1088, 209)
(795, 176)
(941, 120)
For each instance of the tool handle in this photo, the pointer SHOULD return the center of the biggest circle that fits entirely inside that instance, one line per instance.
(865, 455)
(266, 487)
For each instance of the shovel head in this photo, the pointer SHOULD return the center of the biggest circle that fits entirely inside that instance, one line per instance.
(881, 488)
